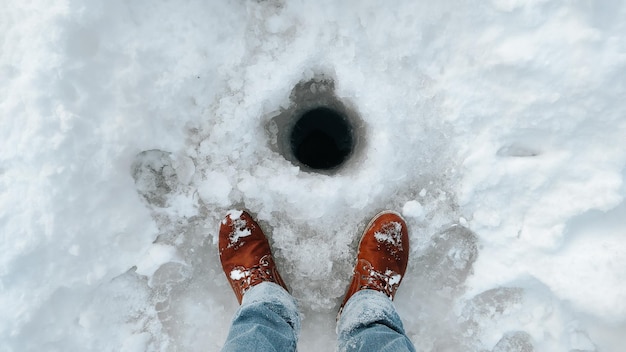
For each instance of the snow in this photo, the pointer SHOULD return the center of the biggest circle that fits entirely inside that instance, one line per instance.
(390, 233)
(129, 129)
(413, 209)
(393, 279)
(234, 215)
(157, 256)
(238, 274)
(240, 230)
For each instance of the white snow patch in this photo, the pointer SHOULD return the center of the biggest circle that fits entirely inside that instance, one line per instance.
(237, 235)
(215, 189)
(157, 255)
(237, 274)
(240, 226)
(391, 233)
(234, 215)
(413, 209)
(393, 278)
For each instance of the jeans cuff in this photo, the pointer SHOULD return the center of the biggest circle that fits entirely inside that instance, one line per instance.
(367, 307)
(278, 299)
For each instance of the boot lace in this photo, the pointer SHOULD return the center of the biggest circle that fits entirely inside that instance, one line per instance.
(246, 278)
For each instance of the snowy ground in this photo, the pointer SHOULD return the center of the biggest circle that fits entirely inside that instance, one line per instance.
(128, 128)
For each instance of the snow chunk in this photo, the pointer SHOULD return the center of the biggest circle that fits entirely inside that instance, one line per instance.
(394, 278)
(413, 209)
(234, 214)
(216, 189)
(237, 274)
(157, 255)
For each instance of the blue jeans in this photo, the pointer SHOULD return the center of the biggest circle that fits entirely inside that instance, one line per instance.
(268, 320)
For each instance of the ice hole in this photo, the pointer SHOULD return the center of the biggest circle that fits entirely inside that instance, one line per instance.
(322, 138)
(318, 132)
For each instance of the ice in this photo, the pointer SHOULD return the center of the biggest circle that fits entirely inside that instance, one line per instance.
(129, 129)
(517, 341)
(216, 189)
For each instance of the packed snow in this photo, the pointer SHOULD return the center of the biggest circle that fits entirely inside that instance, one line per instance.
(238, 274)
(130, 128)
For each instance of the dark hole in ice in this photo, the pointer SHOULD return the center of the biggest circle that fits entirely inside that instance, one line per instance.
(322, 138)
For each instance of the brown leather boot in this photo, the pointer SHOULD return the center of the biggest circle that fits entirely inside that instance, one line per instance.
(382, 258)
(245, 253)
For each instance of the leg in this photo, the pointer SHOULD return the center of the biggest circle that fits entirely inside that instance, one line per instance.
(369, 322)
(268, 318)
(367, 319)
(267, 321)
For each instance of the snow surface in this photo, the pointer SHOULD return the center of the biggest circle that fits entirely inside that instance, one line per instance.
(129, 128)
